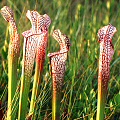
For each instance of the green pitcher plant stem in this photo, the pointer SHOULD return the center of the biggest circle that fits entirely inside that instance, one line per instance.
(13, 56)
(105, 35)
(58, 64)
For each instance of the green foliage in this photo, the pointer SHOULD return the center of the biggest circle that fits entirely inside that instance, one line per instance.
(80, 20)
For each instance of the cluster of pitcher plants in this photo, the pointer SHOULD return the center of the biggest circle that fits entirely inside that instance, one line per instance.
(34, 52)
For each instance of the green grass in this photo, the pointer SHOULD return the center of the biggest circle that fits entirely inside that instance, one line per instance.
(80, 21)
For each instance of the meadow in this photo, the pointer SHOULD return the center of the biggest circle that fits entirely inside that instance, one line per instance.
(80, 20)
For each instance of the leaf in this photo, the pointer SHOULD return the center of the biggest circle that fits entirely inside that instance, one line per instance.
(117, 101)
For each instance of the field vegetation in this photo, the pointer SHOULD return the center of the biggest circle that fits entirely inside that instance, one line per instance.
(80, 20)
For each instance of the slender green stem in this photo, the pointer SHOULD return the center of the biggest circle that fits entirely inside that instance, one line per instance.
(37, 80)
(25, 84)
(101, 102)
(12, 83)
(56, 98)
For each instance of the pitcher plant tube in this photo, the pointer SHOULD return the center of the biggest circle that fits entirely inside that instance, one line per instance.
(29, 50)
(43, 23)
(105, 35)
(58, 65)
(32, 47)
(13, 56)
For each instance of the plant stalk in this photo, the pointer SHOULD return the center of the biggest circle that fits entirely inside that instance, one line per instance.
(37, 81)
(56, 99)
(101, 102)
(12, 84)
(25, 81)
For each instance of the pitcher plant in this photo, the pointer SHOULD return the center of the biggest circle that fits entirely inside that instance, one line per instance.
(13, 56)
(105, 35)
(32, 48)
(43, 24)
(58, 65)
